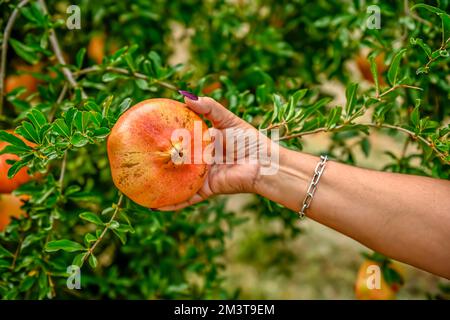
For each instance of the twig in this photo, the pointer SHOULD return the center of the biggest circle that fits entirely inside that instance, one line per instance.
(59, 56)
(396, 87)
(372, 125)
(16, 254)
(61, 96)
(414, 15)
(63, 171)
(136, 75)
(405, 148)
(6, 35)
(431, 60)
(107, 226)
(274, 126)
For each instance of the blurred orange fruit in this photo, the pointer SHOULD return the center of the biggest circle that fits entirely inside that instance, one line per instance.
(10, 207)
(8, 185)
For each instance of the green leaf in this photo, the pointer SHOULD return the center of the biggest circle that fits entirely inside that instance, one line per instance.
(114, 225)
(28, 132)
(419, 42)
(142, 84)
(34, 14)
(101, 133)
(69, 118)
(27, 283)
(65, 245)
(82, 120)
(78, 259)
(61, 127)
(277, 105)
(155, 61)
(334, 117)
(415, 116)
(24, 51)
(92, 261)
(91, 217)
(374, 70)
(124, 105)
(310, 110)
(350, 94)
(393, 69)
(262, 94)
(79, 140)
(89, 237)
(445, 26)
(121, 235)
(428, 7)
(4, 264)
(80, 57)
(391, 276)
(296, 97)
(106, 105)
(110, 76)
(365, 146)
(4, 252)
(37, 118)
(12, 139)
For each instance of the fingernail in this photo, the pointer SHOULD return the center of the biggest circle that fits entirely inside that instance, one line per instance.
(188, 94)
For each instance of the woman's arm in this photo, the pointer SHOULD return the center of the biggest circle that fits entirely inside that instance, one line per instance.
(402, 216)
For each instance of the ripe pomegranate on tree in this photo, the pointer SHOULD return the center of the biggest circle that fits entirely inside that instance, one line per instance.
(98, 46)
(147, 165)
(24, 79)
(385, 291)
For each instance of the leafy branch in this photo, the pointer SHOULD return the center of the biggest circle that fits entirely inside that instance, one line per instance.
(6, 35)
(90, 251)
(412, 134)
(59, 56)
(137, 75)
(71, 246)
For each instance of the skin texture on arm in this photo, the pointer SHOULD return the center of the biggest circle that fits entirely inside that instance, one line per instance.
(402, 216)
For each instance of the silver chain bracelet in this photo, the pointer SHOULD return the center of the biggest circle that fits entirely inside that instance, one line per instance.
(313, 185)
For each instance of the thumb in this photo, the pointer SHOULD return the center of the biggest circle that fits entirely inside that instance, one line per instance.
(212, 110)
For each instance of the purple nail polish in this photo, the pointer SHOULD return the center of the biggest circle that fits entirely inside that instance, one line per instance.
(188, 94)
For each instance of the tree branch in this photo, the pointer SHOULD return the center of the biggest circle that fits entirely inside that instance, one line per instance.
(59, 56)
(372, 125)
(63, 171)
(102, 235)
(124, 71)
(6, 35)
(396, 87)
(61, 96)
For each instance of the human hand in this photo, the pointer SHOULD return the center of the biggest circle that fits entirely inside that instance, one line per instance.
(235, 174)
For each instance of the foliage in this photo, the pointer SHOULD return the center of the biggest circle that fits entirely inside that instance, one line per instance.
(270, 59)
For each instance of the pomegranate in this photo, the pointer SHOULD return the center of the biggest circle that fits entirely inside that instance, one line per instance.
(10, 206)
(385, 291)
(25, 79)
(98, 45)
(8, 185)
(147, 164)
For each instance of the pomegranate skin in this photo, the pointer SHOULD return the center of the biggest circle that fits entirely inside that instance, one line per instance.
(140, 148)
(11, 206)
